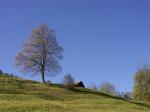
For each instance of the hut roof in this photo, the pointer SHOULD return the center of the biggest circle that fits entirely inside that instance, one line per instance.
(79, 84)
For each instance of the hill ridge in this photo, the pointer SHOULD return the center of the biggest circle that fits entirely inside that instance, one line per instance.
(18, 95)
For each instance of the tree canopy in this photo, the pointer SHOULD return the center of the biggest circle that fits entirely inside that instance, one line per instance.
(41, 53)
(142, 83)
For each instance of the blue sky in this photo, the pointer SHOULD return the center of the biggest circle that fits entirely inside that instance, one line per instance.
(103, 40)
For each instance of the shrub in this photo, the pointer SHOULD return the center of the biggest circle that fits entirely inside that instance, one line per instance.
(69, 86)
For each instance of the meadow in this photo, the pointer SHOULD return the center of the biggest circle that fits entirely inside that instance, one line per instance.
(18, 95)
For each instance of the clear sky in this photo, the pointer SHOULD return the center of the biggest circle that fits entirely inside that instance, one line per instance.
(103, 40)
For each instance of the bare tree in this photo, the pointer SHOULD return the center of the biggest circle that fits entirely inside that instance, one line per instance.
(68, 79)
(41, 53)
(107, 87)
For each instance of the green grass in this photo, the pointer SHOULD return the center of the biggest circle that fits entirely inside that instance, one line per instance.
(17, 95)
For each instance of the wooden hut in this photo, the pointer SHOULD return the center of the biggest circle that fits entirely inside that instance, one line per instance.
(79, 84)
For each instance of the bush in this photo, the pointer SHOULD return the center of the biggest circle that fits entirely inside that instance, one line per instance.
(69, 86)
(49, 82)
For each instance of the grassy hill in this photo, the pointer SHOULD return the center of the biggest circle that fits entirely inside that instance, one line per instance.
(17, 95)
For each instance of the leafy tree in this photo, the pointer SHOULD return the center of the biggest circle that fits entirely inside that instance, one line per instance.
(41, 53)
(68, 79)
(142, 84)
(108, 88)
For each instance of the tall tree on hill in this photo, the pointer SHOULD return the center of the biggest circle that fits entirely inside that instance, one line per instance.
(41, 53)
(142, 83)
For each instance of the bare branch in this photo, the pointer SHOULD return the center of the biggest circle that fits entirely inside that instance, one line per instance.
(41, 53)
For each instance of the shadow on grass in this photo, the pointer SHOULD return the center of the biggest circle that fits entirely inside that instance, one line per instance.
(87, 91)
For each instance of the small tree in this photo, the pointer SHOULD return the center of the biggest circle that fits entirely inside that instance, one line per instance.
(41, 53)
(142, 83)
(108, 88)
(68, 79)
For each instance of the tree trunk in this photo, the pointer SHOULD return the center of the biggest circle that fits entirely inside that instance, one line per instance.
(43, 78)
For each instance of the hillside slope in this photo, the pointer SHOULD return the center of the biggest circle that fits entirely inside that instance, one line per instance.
(17, 95)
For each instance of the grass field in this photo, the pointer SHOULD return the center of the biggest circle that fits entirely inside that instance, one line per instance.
(17, 95)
